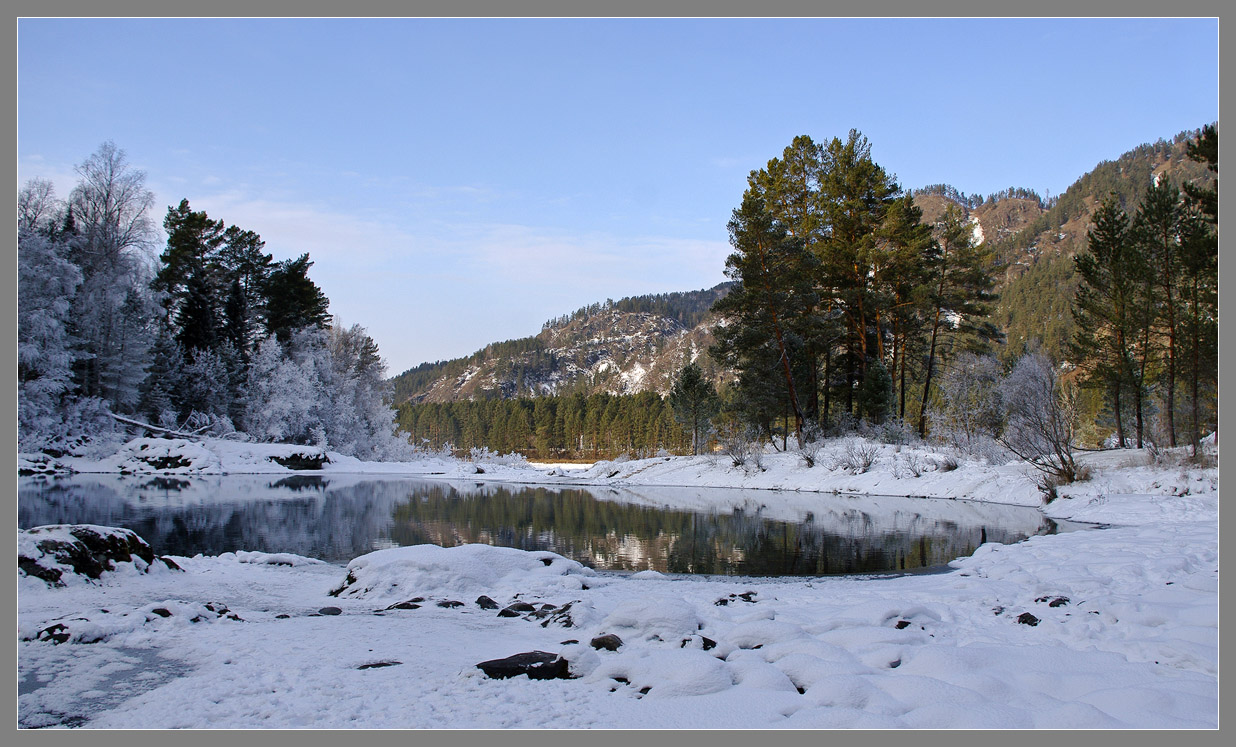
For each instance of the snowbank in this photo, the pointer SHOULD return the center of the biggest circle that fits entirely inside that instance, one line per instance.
(1107, 628)
(466, 569)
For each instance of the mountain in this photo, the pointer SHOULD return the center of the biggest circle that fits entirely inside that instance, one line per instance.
(1035, 239)
(617, 347)
(639, 343)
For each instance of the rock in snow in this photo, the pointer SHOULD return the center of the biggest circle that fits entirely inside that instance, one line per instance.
(538, 665)
(49, 552)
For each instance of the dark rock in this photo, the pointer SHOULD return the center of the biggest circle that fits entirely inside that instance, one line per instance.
(998, 610)
(746, 596)
(486, 603)
(568, 642)
(544, 611)
(330, 611)
(380, 664)
(547, 561)
(302, 460)
(282, 617)
(450, 604)
(902, 624)
(722, 602)
(1058, 602)
(516, 609)
(57, 634)
(1026, 618)
(609, 642)
(90, 553)
(347, 581)
(709, 643)
(408, 605)
(538, 665)
(894, 664)
(171, 564)
(644, 690)
(30, 567)
(162, 612)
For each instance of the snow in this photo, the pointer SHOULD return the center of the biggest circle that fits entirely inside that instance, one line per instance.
(1125, 632)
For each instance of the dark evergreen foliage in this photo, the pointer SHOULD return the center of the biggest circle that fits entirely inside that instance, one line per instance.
(293, 301)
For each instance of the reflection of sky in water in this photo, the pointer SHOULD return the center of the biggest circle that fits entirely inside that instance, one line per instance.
(676, 530)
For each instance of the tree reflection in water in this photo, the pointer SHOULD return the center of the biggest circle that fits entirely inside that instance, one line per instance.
(339, 518)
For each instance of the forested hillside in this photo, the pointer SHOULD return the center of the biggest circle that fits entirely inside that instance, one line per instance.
(1035, 239)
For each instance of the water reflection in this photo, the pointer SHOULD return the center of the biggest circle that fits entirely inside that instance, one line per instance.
(669, 530)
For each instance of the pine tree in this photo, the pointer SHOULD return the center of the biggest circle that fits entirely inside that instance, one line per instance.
(1199, 265)
(855, 193)
(765, 310)
(1108, 337)
(694, 402)
(958, 294)
(190, 276)
(1158, 229)
(293, 301)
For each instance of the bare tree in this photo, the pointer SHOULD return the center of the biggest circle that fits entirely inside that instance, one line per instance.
(1040, 418)
(37, 206)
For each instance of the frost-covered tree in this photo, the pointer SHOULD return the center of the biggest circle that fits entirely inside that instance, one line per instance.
(281, 394)
(46, 284)
(204, 386)
(109, 239)
(38, 210)
(968, 410)
(160, 395)
(1040, 416)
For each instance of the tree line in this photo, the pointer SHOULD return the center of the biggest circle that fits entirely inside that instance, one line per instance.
(597, 426)
(213, 335)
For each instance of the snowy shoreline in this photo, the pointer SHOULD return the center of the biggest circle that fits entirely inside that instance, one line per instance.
(1112, 628)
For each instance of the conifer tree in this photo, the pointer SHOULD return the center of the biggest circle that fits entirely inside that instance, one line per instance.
(958, 295)
(694, 403)
(293, 301)
(1158, 229)
(765, 309)
(1108, 340)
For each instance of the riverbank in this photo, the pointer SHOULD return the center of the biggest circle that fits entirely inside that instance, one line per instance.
(1111, 628)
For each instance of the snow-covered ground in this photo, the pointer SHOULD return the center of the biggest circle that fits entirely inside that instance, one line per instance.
(1106, 628)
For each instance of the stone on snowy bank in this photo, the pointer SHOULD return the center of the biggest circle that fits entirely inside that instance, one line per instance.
(538, 665)
(302, 460)
(1026, 618)
(48, 552)
(516, 609)
(486, 603)
(101, 626)
(609, 642)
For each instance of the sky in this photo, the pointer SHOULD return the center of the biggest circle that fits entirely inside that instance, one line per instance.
(459, 182)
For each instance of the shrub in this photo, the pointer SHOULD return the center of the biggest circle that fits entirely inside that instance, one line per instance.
(1040, 420)
(856, 456)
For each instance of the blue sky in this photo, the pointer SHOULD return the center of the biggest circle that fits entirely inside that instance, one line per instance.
(458, 182)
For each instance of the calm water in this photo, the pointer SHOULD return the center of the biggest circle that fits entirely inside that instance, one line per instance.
(707, 531)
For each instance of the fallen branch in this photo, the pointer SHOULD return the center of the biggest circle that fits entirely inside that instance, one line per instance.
(197, 434)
